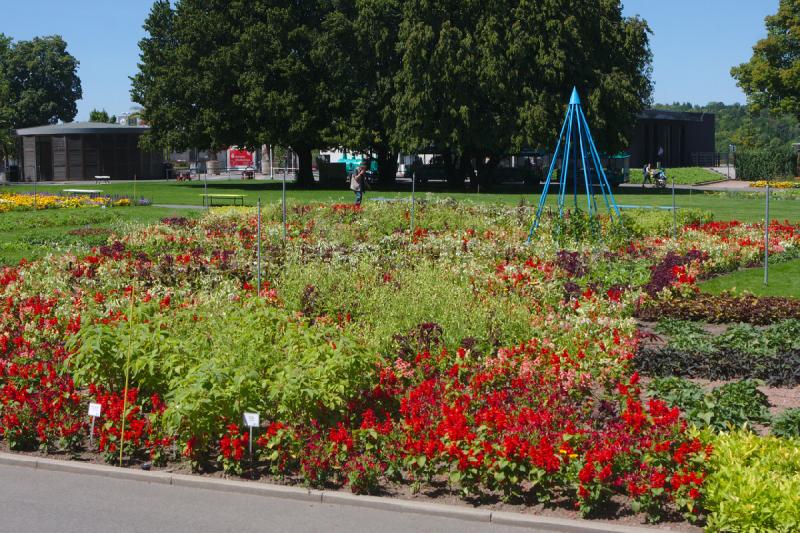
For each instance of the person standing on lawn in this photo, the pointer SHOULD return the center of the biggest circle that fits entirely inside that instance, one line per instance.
(358, 183)
(646, 177)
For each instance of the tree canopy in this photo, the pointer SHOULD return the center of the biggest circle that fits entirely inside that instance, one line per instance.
(43, 81)
(473, 79)
(771, 79)
(39, 84)
(487, 78)
(96, 115)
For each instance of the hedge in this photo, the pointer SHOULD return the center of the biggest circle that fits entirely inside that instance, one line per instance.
(754, 165)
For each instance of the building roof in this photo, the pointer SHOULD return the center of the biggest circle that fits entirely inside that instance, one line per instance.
(660, 114)
(81, 128)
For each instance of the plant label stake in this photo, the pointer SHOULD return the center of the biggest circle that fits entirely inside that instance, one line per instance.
(413, 199)
(95, 409)
(674, 213)
(251, 420)
(766, 241)
(283, 194)
(35, 177)
(258, 278)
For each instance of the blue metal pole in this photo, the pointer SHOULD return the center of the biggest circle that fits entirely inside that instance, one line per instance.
(589, 194)
(575, 169)
(601, 172)
(597, 163)
(565, 168)
(547, 182)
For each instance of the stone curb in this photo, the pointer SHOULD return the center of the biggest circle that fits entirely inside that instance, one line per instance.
(542, 523)
(406, 506)
(244, 487)
(564, 525)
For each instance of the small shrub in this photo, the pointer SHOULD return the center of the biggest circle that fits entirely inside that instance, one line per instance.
(753, 165)
(739, 403)
(731, 405)
(787, 424)
(723, 309)
(754, 483)
(776, 370)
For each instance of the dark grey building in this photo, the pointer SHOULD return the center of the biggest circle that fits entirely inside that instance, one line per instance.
(83, 150)
(674, 139)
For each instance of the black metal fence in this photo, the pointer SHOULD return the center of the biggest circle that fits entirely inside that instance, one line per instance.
(713, 159)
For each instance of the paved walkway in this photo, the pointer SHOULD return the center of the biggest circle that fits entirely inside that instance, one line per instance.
(43, 502)
(730, 185)
(727, 172)
(179, 206)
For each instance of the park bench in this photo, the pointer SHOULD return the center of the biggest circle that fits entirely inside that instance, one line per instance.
(82, 192)
(102, 179)
(237, 199)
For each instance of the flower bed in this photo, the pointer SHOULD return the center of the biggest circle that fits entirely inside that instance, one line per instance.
(29, 202)
(452, 356)
(775, 184)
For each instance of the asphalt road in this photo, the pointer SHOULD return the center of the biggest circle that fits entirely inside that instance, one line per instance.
(42, 502)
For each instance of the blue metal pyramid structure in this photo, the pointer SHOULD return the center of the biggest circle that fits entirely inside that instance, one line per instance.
(579, 164)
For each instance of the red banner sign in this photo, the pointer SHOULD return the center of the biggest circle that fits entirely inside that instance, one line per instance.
(240, 158)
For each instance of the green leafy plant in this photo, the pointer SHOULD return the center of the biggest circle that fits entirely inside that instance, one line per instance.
(739, 403)
(723, 309)
(787, 424)
(685, 335)
(754, 484)
(731, 405)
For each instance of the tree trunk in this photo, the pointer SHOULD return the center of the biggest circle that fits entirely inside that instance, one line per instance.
(486, 167)
(455, 177)
(458, 177)
(305, 174)
(387, 166)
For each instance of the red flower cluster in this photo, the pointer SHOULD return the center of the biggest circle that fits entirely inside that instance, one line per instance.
(143, 436)
(233, 445)
(39, 406)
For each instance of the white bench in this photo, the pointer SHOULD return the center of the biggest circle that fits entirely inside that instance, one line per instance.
(102, 179)
(81, 192)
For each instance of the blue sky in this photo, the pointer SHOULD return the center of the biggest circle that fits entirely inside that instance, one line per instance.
(695, 43)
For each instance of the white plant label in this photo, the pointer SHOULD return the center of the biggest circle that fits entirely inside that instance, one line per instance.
(252, 420)
(95, 409)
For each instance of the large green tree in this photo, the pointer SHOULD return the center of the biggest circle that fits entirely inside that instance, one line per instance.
(475, 79)
(285, 91)
(187, 82)
(771, 79)
(43, 81)
(359, 42)
(485, 78)
(39, 84)
(216, 73)
(6, 111)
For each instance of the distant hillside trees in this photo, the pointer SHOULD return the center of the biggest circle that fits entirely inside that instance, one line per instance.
(738, 124)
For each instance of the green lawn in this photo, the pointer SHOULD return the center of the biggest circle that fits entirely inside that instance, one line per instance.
(724, 207)
(784, 280)
(683, 176)
(31, 235)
